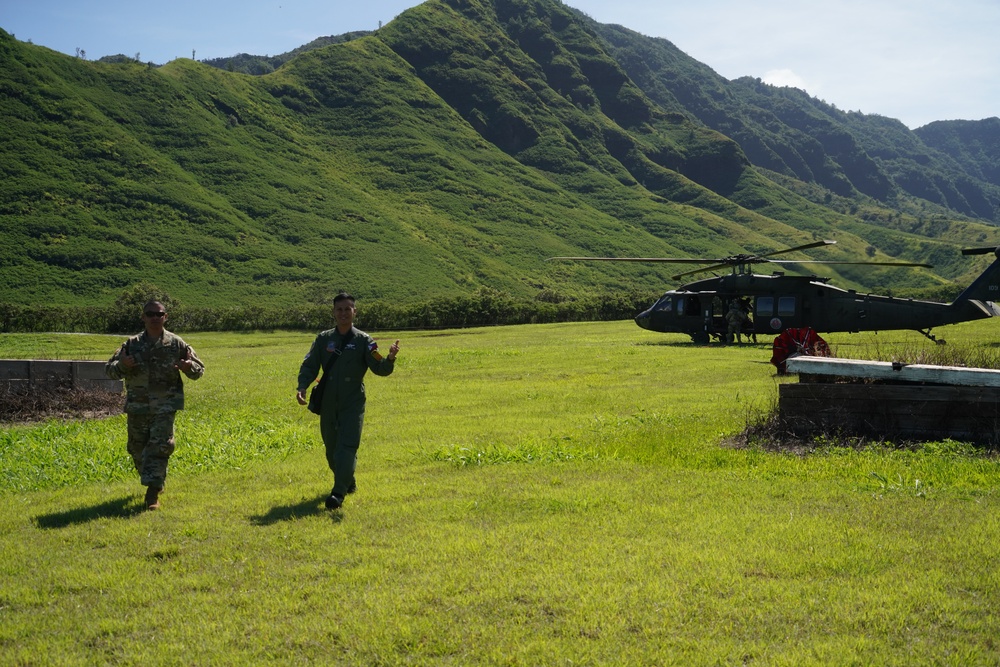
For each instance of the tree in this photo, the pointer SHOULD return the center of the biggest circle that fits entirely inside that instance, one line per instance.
(124, 315)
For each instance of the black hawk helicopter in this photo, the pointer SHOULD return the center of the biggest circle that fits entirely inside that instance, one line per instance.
(777, 302)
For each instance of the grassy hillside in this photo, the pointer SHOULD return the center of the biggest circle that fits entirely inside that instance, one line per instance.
(453, 150)
(944, 168)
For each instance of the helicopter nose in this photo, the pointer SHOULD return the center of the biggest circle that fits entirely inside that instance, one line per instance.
(643, 319)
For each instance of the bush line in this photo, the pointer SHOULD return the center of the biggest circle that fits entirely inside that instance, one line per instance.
(484, 308)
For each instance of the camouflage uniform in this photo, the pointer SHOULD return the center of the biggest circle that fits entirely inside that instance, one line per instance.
(343, 409)
(155, 392)
(736, 317)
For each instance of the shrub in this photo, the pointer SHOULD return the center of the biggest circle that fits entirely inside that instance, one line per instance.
(485, 307)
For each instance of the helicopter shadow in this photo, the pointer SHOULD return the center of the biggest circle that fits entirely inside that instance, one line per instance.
(119, 508)
(688, 344)
(300, 510)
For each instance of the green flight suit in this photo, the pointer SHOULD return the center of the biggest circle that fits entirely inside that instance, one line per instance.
(342, 414)
(154, 394)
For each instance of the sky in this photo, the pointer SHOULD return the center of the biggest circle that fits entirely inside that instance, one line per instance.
(914, 60)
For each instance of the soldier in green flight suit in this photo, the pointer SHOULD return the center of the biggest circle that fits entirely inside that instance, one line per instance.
(151, 364)
(346, 354)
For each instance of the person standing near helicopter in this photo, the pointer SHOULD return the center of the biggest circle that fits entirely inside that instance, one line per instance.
(749, 324)
(736, 318)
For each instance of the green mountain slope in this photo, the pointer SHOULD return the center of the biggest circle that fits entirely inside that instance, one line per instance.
(786, 131)
(974, 145)
(456, 148)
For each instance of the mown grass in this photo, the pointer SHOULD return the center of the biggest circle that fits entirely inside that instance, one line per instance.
(528, 495)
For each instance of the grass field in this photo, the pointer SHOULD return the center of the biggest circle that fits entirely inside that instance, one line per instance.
(551, 494)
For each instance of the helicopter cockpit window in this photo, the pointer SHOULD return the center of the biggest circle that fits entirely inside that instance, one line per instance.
(765, 306)
(786, 306)
(665, 305)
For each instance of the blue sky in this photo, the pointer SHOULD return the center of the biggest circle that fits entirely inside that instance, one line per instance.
(915, 60)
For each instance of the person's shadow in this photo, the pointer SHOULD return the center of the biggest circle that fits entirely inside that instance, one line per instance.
(300, 510)
(119, 508)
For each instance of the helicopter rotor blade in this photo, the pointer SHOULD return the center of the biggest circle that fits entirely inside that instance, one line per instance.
(982, 251)
(807, 246)
(701, 270)
(675, 260)
(724, 261)
(821, 261)
(742, 261)
(802, 261)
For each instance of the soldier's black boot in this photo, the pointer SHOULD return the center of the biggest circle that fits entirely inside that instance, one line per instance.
(334, 501)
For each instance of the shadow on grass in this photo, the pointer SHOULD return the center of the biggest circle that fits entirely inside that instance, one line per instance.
(300, 510)
(119, 508)
(689, 345)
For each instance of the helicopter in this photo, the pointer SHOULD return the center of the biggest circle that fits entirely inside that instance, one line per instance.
(776, 302)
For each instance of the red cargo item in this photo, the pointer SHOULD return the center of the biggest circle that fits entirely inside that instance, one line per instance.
(793, 342)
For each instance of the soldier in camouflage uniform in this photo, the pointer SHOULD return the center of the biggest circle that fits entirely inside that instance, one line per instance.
(736, 317)
(151, 364)
(343, 409)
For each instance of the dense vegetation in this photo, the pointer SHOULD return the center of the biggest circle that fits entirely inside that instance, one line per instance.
(484, 307)
(450, 152)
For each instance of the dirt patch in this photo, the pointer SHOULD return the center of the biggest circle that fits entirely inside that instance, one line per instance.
(772, 434)
(59, 402)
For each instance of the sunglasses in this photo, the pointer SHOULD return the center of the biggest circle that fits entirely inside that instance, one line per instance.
(150, 313)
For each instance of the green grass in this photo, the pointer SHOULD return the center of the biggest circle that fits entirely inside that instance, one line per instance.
(528, 495)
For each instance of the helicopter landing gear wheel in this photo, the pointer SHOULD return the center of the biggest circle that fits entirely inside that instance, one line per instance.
(700, 338)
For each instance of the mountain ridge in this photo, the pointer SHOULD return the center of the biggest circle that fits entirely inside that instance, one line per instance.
(455, 148)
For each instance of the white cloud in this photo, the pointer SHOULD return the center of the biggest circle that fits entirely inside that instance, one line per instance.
(783, 78)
